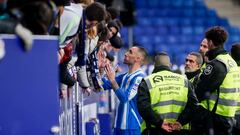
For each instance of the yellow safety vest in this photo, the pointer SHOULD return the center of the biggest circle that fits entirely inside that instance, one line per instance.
(168, 93)
(238, 106)
(228, 90)
(203, 67)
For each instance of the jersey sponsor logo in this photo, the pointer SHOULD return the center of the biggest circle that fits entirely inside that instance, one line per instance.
(138, 81)
(135, 87)
(208, 70)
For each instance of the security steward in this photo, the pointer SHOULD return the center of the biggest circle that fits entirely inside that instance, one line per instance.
(166, 100)
(235, 53)
(193, 64)
(217, 89)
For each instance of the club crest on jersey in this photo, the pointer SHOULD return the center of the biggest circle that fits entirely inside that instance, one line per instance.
(208, 70)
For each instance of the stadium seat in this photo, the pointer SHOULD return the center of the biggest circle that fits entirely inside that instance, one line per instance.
(177, 26)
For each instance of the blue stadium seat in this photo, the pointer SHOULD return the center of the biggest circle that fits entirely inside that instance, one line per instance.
(149, 48)
(174, 30)
(188, 12)
(174, 12)
(211, 22)
(197, 39)
(141, 3)
(174, 21)
(149, 30)
(223, 22)
(163, 12)
(179, 58)
(159, 39)
(124, 31)
(199, 4)
(138, 30)
(199, 21)
(142, 12)
(163, 3)
(150, 12)
(158, 21)
(211, 13)
(191, 48)
(199, 30)
(177, 3)
(153, 3)
(233, 30)
(187, 30)
(188, 3)
(234, 38)
(162, 30)
(144, 21)
(172, 39)
(185, 39)
(161, 48)
(185, 21)
(143, 39)
(200, 12)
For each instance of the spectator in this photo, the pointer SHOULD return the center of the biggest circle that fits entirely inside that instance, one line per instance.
(235, 53)
(113, 28)
(113, 12)
(37, 17)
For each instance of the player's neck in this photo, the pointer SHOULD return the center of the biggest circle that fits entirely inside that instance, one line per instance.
(133, 68)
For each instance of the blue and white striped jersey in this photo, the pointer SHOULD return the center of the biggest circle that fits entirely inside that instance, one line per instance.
(127, 116)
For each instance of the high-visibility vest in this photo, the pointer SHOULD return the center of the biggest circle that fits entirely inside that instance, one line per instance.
(168, 93)
(228, 90)
(238, 104)
(203, 67)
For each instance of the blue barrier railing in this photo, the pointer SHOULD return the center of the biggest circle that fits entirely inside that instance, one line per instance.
(28, 83)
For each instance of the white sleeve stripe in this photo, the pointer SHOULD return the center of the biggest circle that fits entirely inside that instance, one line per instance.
(134, 114)
(124, 117)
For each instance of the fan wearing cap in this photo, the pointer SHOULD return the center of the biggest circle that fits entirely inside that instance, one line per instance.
(116, 42)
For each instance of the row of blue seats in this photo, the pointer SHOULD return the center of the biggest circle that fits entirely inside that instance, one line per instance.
(174, 50)
(176, 21)
(179, 51)
(171, 39)
(175, 30)
(149, 30)
(177, 39)
(176, 12)
(169, 3)
(176, 26)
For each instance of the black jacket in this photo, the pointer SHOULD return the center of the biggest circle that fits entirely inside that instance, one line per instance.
(147, 113)
(194, 75)
(210, 80)
(212, 76)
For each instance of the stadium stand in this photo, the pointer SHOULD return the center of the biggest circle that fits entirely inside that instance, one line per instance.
(176, 26)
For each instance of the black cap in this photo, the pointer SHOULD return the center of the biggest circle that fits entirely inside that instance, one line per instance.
(110, 56)
(62, 2)
(116, 42)
(113, 12)
(235, 52)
